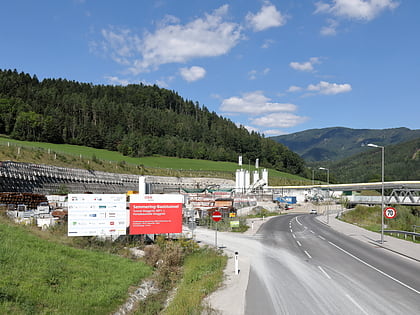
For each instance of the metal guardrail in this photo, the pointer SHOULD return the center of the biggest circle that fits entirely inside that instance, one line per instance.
(405, 233)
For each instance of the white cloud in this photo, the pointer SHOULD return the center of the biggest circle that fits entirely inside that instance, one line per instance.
(279, 120)
(294, 88)
(120, 44)
(267, 43)
(355, 9)
(117, 81)
(274, 132)
(267, 17)
(330, 29)
(253, 74)
(329, 88)
(192, 74)
(305, 66)
(254, 103)
(173, 42)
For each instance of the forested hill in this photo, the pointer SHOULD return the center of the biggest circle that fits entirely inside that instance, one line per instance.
(136, 120)
(336, 143)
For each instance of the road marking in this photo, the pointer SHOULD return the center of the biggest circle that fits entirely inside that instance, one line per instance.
(291, 230)
(312, 232)
(298, 221)
(307, 254)
(298, 243)
(294, 236)
(324, 272)
(357, 304)
(376, 269)
(321, 237)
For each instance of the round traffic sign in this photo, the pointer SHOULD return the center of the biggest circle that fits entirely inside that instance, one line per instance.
(390, 213)
(216, 216)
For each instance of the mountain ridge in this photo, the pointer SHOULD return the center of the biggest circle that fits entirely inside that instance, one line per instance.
(336, 143)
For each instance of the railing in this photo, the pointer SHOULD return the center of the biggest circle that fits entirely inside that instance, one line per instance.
(405, 233)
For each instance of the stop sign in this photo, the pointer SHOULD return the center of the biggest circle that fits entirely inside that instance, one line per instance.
(216, 216)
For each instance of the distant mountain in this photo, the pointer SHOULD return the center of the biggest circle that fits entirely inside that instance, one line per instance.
(401, 162)
(336, 143)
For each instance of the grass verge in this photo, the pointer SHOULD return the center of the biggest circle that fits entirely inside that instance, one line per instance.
(45, 277)
(203, 274)
(370, 218)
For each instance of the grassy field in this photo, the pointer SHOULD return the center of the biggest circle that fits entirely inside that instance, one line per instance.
(370, 218)
(40, 276)
(46, 272)
(109, 161)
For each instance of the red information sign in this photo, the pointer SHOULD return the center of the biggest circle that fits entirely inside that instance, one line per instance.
(216, 216)
(155, 218)
(390, 213)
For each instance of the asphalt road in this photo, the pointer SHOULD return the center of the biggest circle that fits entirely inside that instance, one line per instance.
(301, 266)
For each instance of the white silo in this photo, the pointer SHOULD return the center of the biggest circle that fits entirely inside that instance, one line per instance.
(256, 177)
(247, 182)
(265, 176)
(237, 180)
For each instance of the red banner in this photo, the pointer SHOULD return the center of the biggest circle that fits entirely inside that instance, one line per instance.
(155, 218)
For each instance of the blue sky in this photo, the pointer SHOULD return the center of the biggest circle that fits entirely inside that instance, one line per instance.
(275, 67)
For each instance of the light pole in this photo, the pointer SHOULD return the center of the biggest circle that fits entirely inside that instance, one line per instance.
(382, 195)
(328, 192)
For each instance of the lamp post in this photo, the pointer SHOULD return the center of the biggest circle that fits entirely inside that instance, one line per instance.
(328, 192)
(382, 195)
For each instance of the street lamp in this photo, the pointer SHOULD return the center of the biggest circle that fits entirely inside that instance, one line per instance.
(328, 192)
(382, 195)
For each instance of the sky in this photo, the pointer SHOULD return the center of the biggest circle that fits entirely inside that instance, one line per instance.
(276, 67)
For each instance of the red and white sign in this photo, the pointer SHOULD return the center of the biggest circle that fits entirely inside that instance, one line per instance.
(216, 216)
(156, 214)
(390, 213)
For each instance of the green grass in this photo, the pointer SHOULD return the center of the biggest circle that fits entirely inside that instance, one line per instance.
(44, 277)
(203, 273)
(370, 218)
(110, 161)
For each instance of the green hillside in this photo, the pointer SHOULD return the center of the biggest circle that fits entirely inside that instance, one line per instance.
(136, 120)
(74, 156)
(333, 144)
(402, 162)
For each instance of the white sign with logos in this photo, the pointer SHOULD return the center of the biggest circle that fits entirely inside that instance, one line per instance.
(97, 214)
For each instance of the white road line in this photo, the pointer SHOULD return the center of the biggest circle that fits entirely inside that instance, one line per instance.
(312, 232)
(298, 221)
(324, 272)
(307, 254)
(294, 236)
(321, 237)
(298, 243)
(376, 269)
(357, 304)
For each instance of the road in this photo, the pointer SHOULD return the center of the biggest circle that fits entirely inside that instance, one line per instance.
(304, 267)
(299, 265)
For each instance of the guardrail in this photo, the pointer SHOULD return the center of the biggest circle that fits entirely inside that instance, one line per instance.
(414, 234)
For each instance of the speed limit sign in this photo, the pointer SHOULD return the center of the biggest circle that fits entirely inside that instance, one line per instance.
(390, 213)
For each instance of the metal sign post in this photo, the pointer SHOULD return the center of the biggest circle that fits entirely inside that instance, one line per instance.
(216, 216)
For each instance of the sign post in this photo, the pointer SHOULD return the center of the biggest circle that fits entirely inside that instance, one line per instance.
(216, 216)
